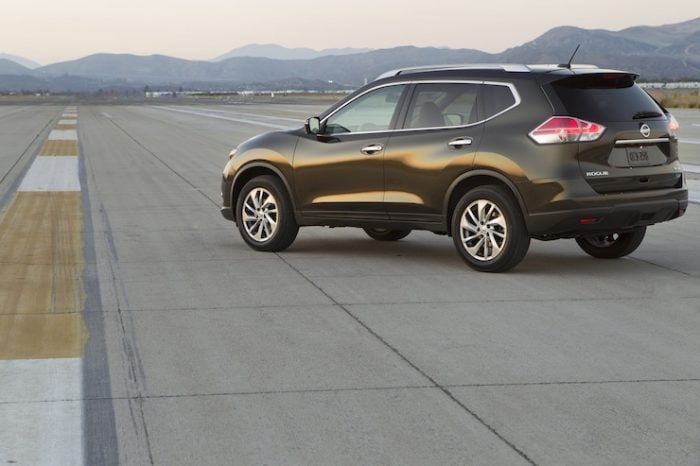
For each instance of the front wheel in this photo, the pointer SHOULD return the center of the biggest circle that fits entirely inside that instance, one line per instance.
(384, 234)
(265, 216)
(613, 245)
(489, 231)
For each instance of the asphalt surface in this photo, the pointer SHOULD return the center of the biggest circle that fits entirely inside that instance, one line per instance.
(344, 350)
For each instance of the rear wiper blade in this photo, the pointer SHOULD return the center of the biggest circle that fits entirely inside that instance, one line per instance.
(640, 115)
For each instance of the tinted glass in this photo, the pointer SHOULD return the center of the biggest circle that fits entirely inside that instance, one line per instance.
(371, 112)
(497, 99)
(439, 105)
(605, 97)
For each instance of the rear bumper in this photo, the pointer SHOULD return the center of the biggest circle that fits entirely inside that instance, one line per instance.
(622, 213)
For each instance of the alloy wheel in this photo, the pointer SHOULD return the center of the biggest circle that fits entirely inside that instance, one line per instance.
(260, 214)
(483, 230)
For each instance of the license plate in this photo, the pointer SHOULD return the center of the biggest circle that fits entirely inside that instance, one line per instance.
(638, 157)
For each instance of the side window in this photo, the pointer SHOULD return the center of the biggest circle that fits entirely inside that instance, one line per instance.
(438, 105)
(497, 99)
(371, 112)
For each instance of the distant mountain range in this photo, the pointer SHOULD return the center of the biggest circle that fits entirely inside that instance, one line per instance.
(278, 52)
(26, 62)
(669, 52)
(12, 67)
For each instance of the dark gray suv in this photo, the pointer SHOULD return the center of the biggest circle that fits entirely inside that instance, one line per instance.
(491, 155)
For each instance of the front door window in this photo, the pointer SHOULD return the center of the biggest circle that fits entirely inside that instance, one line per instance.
(373, 111)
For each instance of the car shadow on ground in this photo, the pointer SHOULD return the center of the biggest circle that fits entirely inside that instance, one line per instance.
(563, 259)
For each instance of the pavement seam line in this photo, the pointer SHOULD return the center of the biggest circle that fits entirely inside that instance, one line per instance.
(138, 143)
(273, 307)
(241, 393)
(395, 350)
(572, 382)
(663, 267)
(341, 390)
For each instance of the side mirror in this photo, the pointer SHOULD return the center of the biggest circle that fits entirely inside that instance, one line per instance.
(313, 125)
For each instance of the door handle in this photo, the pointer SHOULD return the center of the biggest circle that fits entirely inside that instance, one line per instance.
(372, 149)
(458, 143)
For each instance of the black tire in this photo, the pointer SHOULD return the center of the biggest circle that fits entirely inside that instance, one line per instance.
(384, 234)
(614, 245)
(285, 230)
(502, 227)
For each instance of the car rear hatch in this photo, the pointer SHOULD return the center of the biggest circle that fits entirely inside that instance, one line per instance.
(638, 149)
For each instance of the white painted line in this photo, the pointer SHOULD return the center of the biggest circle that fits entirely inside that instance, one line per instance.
(42, 401)
(221, 117)
(58, 174)
(71, 121)
(69, 115)
(63, 135)
(691, 168)
(27, 380)
(693, 190)
(42, 434)
(246, 114)
(689, 141)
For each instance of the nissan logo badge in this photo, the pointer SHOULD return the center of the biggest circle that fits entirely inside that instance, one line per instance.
(645, 130)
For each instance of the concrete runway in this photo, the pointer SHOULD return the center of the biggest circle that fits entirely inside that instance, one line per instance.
(342, 350)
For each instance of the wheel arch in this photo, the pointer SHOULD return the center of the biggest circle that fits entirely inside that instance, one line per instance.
(253, 170)
(473, 179)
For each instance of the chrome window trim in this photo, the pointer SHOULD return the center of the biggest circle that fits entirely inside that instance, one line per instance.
(634, 142)
(511, 86)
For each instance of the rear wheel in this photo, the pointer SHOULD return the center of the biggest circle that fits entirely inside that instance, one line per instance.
(265, 215)
(613, 245)
(384, 234)
(488, 230)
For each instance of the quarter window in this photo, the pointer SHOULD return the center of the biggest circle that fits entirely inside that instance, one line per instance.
(373, 111)
(496, 99)
(438, 105)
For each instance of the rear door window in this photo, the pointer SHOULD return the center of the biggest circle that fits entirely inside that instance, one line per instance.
(440, 105)
(605, 97)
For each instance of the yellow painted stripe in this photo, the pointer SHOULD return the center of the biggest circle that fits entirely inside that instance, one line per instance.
(66, 127)
(59, 148)
(41, 336)
(41, 289)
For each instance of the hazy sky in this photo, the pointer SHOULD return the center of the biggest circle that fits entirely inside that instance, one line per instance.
(49, 30)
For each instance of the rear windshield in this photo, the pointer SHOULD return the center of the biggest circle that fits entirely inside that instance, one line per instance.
(606, 97)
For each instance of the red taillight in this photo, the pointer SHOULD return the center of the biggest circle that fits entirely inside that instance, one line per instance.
(673, 125)
(560, 129)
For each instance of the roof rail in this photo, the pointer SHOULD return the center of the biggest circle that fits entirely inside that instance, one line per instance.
(553, 66)
(508, 67)
(512, 68)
